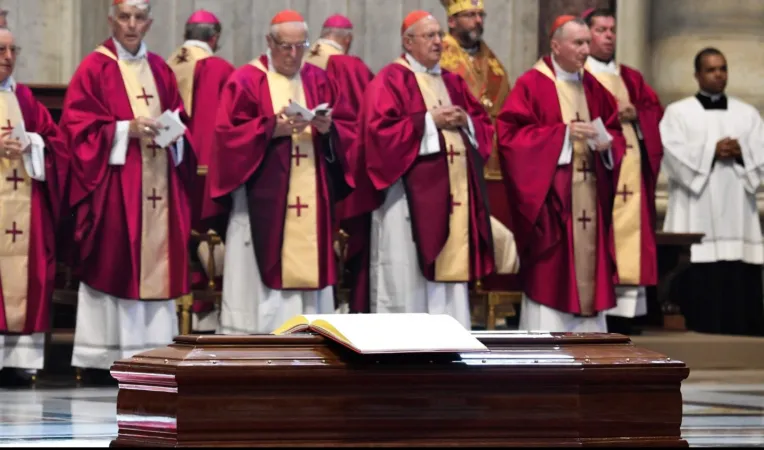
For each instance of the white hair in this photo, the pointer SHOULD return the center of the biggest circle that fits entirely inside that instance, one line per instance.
(275, 29)
(137, 3)
(339, 32)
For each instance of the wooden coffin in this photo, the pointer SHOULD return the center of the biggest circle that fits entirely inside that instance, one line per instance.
(532, 389)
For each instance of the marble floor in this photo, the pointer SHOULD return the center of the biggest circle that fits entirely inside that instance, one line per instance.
(721, 408)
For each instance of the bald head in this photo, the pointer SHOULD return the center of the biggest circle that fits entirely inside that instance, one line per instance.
(570, 45)
(8, 52)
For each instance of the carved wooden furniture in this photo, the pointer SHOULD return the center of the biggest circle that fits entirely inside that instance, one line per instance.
(532, 389)
(211, 292)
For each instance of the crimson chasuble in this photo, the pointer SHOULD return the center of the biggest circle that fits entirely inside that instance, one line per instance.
(292, 182)
(392, 125)
(561, 213)
(634, 215)
(201, 76)
(29, 214)
(133, 221)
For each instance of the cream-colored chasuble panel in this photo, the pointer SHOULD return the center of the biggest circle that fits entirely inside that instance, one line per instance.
(453, 262)
(155, 248)
(319, 54)
(183, 64)
(573, 108)
(299, 251)
(15, 213)
(627, 205)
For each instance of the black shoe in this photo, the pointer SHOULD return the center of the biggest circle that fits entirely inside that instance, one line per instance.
(17, 378)
(97, 377)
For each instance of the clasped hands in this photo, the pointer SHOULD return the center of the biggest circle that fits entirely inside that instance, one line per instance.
(728, 148)
(288, 125)
(583, 131)
(627, 112)
(449, 117)
(11, 148)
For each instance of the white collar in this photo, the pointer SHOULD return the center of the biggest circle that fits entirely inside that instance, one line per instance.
(598, 66)
(416, 67)
(713, 97)
(124, 55)
(201, 44)
(330, 43)
(561, 74)
(9, 85)
(272, 69)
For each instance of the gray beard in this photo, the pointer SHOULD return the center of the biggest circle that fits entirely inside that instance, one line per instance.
(471, 40)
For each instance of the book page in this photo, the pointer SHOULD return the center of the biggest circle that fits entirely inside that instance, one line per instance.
(602, 134)
(170, 128)
(401, 333)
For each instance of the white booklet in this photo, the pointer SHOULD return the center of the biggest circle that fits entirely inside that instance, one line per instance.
(20, 134)
(295, 109)
(388, 333)
(602, 134)
(170, 128)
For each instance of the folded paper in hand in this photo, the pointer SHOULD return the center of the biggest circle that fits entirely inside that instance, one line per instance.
(389, 333)
(20, 134)
(295, 109)
(602, 134)
(170, 128)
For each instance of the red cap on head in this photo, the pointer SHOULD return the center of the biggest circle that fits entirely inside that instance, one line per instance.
(586, 13)
(203, 16)
(338, 21)
(560, 21)
(413, 18)
(287, 16)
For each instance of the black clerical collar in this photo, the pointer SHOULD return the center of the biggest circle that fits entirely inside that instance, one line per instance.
(602, 60)
(712, 101)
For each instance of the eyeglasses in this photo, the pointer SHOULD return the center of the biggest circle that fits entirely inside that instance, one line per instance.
(288, 46)
(15, 50)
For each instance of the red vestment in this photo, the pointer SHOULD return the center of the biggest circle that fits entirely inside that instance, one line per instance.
(531, 133)
(392, 124)
(250, 156)
(650, 113)
(354, 76)
(210, 75)
(46, 209)
(106, 198)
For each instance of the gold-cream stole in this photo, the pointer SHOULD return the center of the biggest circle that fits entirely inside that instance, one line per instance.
(155, 252)
(15, 213)
(574, 108)
(299, 250)
(183, 64)
(627, 207)
(319, 54)
(453, 262)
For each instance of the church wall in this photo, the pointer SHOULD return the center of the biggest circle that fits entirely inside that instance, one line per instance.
(661, 38)
(56, 34)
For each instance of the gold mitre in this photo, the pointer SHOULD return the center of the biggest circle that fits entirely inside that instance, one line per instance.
(457, 6)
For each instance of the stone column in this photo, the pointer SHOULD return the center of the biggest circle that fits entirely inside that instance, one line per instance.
(632, 34)
(550, 9)
(681, 28)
